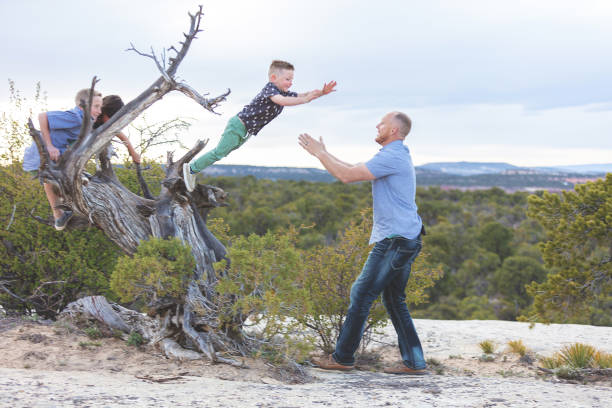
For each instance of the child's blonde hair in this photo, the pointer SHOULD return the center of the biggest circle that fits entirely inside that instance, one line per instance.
(277, 66)
(83, 95)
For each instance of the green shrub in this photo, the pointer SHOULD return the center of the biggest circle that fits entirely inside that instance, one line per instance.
(329, 273)
(602, 359)
(261, 290)
(41, 270)
(487, 346)
(517, 346)
(135, 339)
(298, 295)
(159, 268)
(551, 363)
(93, 332)
(578, 355)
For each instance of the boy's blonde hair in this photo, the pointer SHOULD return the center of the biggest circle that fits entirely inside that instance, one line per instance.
(277, 66)
(83, 95)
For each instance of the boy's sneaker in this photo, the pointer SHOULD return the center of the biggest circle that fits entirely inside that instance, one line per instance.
(188, 177)
(61, 222)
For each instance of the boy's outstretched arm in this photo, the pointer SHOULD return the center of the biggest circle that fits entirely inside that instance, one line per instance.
(305, 97)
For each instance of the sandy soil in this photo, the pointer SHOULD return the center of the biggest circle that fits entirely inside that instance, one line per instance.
(50, 365)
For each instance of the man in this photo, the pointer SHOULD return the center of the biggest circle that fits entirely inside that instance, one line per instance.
(397, 233)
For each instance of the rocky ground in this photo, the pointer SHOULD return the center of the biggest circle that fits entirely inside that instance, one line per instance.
(54, 365)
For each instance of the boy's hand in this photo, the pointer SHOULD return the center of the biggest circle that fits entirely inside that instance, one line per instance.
(54, 153)
(328, 87)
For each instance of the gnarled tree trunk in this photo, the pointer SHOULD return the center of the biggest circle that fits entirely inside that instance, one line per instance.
(128, 219)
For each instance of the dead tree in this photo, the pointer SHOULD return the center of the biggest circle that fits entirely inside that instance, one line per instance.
(127, 219)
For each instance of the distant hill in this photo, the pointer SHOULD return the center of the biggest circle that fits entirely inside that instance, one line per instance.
(581, 168)
(448, 175)
(468, 168)
(271, 173)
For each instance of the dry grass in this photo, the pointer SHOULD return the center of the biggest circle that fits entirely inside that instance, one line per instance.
(487, 346)
(518, 347)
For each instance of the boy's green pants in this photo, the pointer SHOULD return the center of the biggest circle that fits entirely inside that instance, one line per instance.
(233, 137)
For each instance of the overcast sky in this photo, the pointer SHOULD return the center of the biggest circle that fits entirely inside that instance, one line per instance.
(523, 82)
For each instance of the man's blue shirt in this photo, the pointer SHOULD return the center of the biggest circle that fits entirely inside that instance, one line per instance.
(393, 193)
(64, 129)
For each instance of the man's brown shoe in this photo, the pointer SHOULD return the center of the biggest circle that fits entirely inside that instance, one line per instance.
(329, 363)
(403, 369)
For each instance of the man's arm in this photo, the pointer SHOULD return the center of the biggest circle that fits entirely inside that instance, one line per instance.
(303, 97)
(43, 122)
(131, 150)
(346, 173)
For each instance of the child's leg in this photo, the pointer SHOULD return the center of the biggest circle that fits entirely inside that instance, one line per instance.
(233, 137)
(53, 200)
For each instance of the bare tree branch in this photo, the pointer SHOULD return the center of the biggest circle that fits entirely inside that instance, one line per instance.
(208, 104)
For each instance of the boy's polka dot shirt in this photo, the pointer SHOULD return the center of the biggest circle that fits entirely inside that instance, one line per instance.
(262, 110)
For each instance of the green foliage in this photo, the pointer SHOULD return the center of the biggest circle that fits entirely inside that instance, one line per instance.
(510, 280)
(14, 123)
(487, 346)
(153, 176)
(45, 269)
(578, 355)
(577, 252)
(93, 332)
(329, 272)
(159, 268)
(262, 286)
(284, 291)
(496, 238)
(135, 339)
(41, 270)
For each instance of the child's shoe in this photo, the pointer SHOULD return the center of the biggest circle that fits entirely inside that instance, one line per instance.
(188, 177)
(62, 221)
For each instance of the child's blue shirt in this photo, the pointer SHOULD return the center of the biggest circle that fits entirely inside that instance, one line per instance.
(64, 129)
(262, 110)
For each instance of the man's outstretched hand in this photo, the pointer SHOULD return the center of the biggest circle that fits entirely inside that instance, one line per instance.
(311, 145)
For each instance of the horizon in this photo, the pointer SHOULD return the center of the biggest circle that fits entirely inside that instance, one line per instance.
(518, 82)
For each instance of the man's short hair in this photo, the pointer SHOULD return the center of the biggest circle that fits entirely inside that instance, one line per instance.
(405, 124)
(83, 95)
(111, 105)
(277, 65)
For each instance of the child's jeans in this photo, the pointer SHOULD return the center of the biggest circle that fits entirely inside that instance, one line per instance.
(233, 137)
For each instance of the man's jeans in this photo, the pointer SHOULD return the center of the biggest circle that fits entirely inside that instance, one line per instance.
(386, 270)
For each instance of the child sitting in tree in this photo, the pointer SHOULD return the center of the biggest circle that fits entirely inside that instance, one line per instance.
(60, 129)
(111, 105)
(267, 105)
